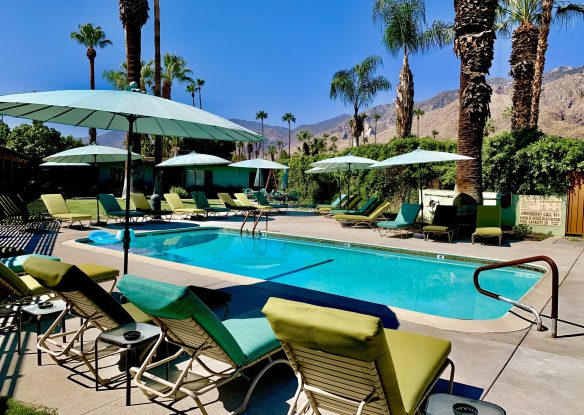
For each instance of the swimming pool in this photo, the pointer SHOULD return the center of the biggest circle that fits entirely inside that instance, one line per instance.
(421, 283)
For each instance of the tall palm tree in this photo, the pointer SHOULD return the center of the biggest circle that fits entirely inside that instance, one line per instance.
(419, 112)
(563, 12)
(119, 79)
(272, 152)
(474, 45)
(134, 15)
(289, 118)
(91, 37)
(191, 88)
(200, 84)
(376, 117)
(157, 81)
(280, 145)
(405, 28)
(435, 134)
(304, 137)
(261, 115)
(175, 68)
(357, 87)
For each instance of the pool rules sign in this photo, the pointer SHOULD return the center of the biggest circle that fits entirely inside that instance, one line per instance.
(540, 210)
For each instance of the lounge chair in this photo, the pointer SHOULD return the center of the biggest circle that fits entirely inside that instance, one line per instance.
(365, 209)
(334, 204)
(444, 222)
(14, 211)
(201, 202)
(178, 207)
(263, 201)
(185, 321)
(229, 203)
(368, 220)
(348, 204)
(15, 262)
(406, 217)
(113, 209)
(244, 201)
(59, 210)
(141, 205)
(86, 299)
(488, 223)
(347, 363)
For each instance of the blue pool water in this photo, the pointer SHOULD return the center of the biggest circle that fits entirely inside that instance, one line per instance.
(424, 284)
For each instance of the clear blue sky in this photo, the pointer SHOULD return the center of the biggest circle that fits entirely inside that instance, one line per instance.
(273, 55)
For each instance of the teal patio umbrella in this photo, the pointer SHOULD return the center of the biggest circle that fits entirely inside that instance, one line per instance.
(55, 164)
(259, 164)
(94, 154)
(130, 111)
(419, 156)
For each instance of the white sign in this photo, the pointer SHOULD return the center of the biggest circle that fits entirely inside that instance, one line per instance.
(540, 211)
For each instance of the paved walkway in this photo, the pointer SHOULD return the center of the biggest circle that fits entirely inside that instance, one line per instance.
(526, 372)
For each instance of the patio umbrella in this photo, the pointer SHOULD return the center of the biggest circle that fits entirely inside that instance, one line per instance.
(55, 164)
(321, 170)
(259, 164)
(419, 156)
(131, 111)
(94, 154)
(345, 163)
(193, 159)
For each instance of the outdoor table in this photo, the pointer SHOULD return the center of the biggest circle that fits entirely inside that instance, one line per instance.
(38, 311)
(148, 334)
(442, 404)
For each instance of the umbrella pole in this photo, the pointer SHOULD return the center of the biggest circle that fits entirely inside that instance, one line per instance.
(348, 189)
(421, 195)
(126, 238)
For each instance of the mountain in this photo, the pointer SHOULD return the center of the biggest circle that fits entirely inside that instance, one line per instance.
(561, 113)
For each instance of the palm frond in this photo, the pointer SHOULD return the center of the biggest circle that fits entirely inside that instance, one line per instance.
(565, 13)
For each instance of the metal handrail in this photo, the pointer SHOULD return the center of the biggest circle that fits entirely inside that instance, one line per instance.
(555, 288)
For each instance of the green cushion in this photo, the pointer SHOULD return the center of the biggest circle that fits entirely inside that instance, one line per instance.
(417, 360)
(55, 204)
(489, 231)
(109, 203)
(253, 334)
(9, 278)
(200, 199)
(436, 228)
(10, 251)
(405, 217)
(62, 277)
(338, 332)
(71, 216)
(171, 301)
(488, 216)
(15, 262)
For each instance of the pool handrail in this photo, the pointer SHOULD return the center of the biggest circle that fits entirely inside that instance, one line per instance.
(555, 288)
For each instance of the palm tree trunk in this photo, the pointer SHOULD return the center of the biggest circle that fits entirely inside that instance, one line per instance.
(166, 89)
(523, 56)
(157, 85)
(133, 51)
(404, 100)
(200, 99)
(92, 131)
(474, 41)
(289, 153)
(193, 97)
(542, 45)
(375, 131)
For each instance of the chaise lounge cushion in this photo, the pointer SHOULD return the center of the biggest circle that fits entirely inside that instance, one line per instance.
(435, 228)
(489, 231)
(15, 262)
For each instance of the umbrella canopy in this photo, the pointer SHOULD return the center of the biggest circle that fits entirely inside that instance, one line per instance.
(193, 159)
(91, 153)
(259, 164)
(348, 162)
(129, 111)
(55, 164)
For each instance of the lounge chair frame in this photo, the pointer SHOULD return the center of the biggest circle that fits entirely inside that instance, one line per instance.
(202, 345)
(370, 222)
(13, 210)
(70, 221)
(354, 385)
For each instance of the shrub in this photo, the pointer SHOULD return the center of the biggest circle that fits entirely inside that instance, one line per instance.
(183, 194)
(522, 231)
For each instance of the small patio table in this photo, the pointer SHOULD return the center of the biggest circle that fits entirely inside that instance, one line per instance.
(443, 404)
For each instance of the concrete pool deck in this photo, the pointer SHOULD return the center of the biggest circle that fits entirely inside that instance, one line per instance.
(525, 371)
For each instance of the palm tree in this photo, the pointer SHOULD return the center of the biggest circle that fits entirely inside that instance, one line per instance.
(147, 76)
(376, 117)
(304, 137)
(91, 37)
(119, 79)
(419, 112)
(280, 145)
(157, 83)
(272, 152)
(334, 140)
(289, 117)
(474, 45)
(261, 115)
(175, 68)
(435, 134)
(134, 15)
(200, 84)
(405, 28)
(564, 12)
(191, 88)
(358, 86)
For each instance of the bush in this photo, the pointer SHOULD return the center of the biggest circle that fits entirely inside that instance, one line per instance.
(522, 231)
(182, 193)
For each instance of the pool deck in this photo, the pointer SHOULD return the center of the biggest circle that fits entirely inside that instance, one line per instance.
(524, 371)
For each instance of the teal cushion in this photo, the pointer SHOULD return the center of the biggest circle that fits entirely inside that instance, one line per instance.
(392, 224)
(15, 262)
(253, 334)
(163, 300)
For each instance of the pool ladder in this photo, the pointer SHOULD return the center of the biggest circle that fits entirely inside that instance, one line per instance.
(256, 221)
(555, 286)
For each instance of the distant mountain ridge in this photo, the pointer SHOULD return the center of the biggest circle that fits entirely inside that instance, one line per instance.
(561, 113)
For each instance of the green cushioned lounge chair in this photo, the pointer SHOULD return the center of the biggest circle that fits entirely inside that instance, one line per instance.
(59, 210)
(86, 299)
(141, 205)
(365, 209)
(348, 203)
(15, 262)
(229, 203)
(488, 223)
(244, 201)
(201, 202)
(13, 210)
(368, 220)
(113, 210)
(179, 208)
(263, 200)
(406, 217)
(334, 204)
(347, 363)
(444, 222)
(238, 342)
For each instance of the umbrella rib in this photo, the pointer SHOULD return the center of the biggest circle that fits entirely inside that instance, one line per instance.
(160, 126)
(35, 110)
(58, 115)
(17, 105)
(205, 128)
(110, 121)
(84, 118)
